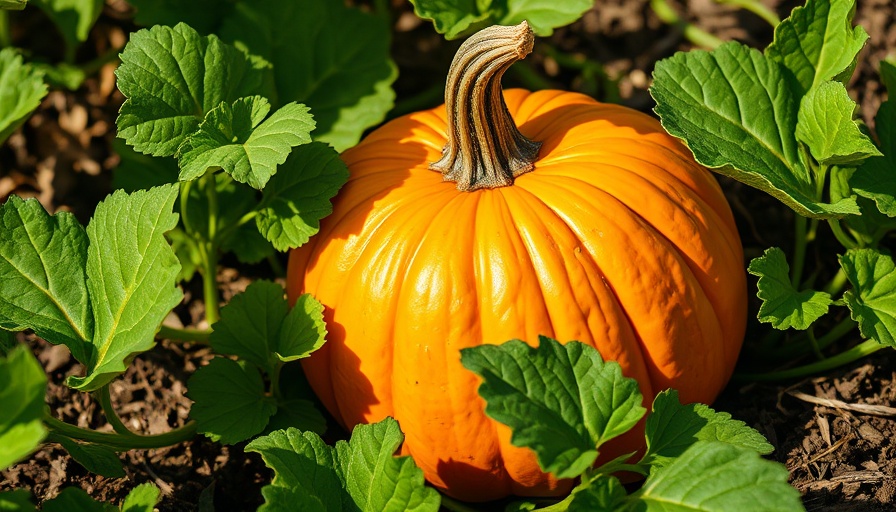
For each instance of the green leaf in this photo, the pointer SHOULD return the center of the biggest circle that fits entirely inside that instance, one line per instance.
(131, 272)
(247, 244)
(73, 18)
(712, 476)
(378, 481)
(303, 465)
(298, 197)
(876, 178)
(303, 330)
(562, 401)
(186, 249)
(825, 124)
(21, 89)
(297, 413)
(23, 384)
(42, 259)
(699, 97)
(818, 43)
(872, 300)
(95, 458)
(250, 324)
(172, 77)
(361, 474)
(672, 428)
(238, 139)
(74, 498)
(456, 18)
(604, 493)
(230, 403)
(17, 500)
(142, 498)
(12, 5)
(784, 306)
(345, 80)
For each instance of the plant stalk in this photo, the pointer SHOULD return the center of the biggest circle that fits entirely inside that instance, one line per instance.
(696, 35)
(861, 350)
(105, 398)
(193, 335)
(120, 442)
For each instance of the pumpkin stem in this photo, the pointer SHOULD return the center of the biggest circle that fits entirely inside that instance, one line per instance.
(485, 149)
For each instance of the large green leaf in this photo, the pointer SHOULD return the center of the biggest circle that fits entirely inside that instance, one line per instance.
(44, 285)
(298, 196)
(359, 475)
(172, 77)
(872, 300)
(818, 43)
(241, 139)
(333, 58)
(718, 477)
(23, 384)
(74, 18)
(21, 89)
(672, 428)
(737, 114)
(250, 324)
(562, 401)
(784, 306)
(876, 178)
(131, 272)
(230, 403)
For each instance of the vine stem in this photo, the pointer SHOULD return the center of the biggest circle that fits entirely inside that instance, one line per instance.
(121, 442)
(756, 8)
(696, 35)
(209, 253)
(175, 333)
(861, 350)
(105, 398)
(799, 250)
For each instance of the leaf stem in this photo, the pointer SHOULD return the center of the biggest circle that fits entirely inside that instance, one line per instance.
(105, 398)
(836, 283)
(861, 350)
(209, 252)
(175, 333)
(841, 235)
(756, 8)
(119, 442)
(799, 250)
(813, 343)
(698, 36)
(5, 38)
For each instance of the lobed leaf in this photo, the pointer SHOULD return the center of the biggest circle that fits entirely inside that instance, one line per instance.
(361, 474)
(782, 305)
(131, 272)
(346, 81)
(456, 18)
(21, 89)
(825, 124)
(817, 43)
(699, 98)
(298, 196)
(672, 428)
(23, 384)
(172, 77)
(142, 498)
(238, 139)
(604, 493)
(562, 401)
(303, 330)
(44, 285)
(718, 477)
(229, 400)
(872, 301)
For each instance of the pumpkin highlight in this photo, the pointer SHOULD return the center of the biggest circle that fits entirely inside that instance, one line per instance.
(611, 235)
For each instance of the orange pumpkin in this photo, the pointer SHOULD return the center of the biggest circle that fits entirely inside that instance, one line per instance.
(605, 230)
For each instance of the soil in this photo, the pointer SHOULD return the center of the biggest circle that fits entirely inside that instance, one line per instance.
(836, 433)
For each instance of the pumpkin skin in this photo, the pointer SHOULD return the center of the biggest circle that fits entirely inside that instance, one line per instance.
(617, 239)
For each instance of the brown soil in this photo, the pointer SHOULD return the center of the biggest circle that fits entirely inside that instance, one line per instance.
(841, 457)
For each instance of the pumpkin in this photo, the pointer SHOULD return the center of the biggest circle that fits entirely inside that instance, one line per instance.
(509, 215)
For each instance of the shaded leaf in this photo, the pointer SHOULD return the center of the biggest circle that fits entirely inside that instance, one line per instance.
(95, 458)
(74, 498)
(21, 89)
(876, 178)
(17, 500)
(230, 403)
(782, 305)
(23, 384)
(250, 324)
(73, 18)
(303, 330)
(872, 300)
